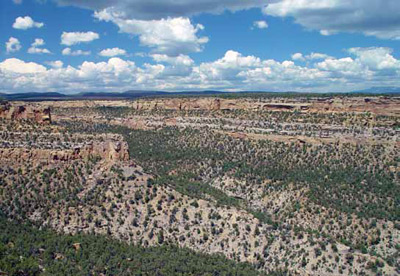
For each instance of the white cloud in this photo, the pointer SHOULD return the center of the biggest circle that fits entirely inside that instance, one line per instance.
(56, 64)
(232, 63)
(171, 36)
(225, 71)
(17, 1)
(363, 68)
(72, 38)
(24, 23)
(327, 33)
(69, 52)
(33, 50)
(178, 60)
(149, 10)
(181, 65)
(315, 56)
(38, 42)
(376, 58)
(260, 24)
(14, 65)
(13, 45)
(140, 54)
(112, 52)
(371, 17)
(312, 56)
(17, 75)
(342, 68)
(35, 47)
(298, 56)
(284, 76)
(371, 62)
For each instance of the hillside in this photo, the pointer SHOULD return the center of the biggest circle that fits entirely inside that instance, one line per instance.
(297, 185)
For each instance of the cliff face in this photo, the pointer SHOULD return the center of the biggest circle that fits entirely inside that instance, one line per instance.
(25, 112)
(375, 105)
(111, 148)
(388, 106)
(216, 104)
(189, 104)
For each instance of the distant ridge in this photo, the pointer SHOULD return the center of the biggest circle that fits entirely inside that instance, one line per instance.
(32, 95)
(134, 94)
(131, 94)
(380, 90)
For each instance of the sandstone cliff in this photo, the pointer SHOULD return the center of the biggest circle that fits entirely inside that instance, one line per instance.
(25, 112)
(110, 148)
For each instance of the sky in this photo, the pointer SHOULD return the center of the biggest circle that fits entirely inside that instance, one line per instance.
(73, 46)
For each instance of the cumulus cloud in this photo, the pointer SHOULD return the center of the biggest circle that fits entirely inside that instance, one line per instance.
(69, 52)
(376, 58)
(38, 42)
(298, 56)
(362, 68)
(56, 63)
(18, 75)
(72, 38)
(260, 24)
(315, 56)
(151, 9)
(370, 17)
(36, 47)
(181, 65)
(24, 23)
(312, 56)
(112, 52)
(14, 65)
(343, 67)
(171, 36)
(284, 76)
(178, 60)
(369, 64)
(229, 66)
(13, 45)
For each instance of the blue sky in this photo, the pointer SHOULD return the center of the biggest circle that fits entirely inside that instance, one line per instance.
(194, 45)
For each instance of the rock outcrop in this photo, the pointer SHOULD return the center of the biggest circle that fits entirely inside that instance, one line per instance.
(25, 112)
(110, 148)
(375, 105)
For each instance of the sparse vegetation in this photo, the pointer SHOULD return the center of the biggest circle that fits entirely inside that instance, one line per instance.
(284, 186)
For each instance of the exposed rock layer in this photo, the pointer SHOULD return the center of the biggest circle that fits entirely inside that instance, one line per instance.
(110, 148)
(25, 112)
